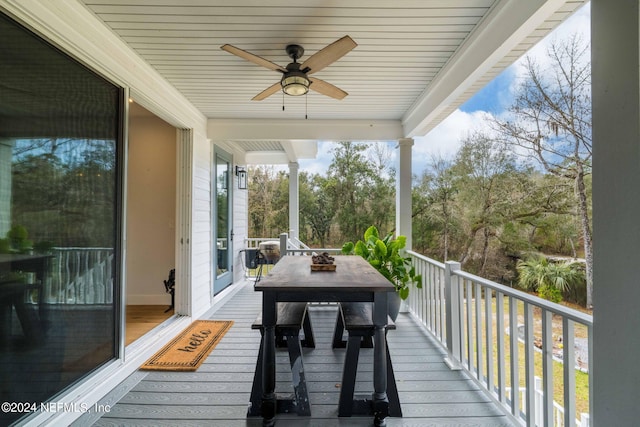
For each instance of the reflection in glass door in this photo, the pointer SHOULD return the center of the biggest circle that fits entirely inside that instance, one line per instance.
(222, 248)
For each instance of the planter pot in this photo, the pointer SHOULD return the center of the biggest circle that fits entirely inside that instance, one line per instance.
(393, 305)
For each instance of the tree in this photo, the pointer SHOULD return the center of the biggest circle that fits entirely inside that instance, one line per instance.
(360, 196)
(486, 173)
(316, 209)
(550, 120)
(268, 201)
(437, 190)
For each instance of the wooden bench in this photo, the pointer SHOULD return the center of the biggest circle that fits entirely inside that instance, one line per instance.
(291, 317)
(357, 319)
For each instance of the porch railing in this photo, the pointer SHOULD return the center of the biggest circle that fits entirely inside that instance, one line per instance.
(80, 276)
(504, 338)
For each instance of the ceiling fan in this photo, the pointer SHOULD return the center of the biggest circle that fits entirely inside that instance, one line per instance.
(295, 79)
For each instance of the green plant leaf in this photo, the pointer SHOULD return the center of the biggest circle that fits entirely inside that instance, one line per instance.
(403, 292)
(371, 232)
(347, 248)
(380, 249)
(361, 249)
(418, 281)
(401, 241)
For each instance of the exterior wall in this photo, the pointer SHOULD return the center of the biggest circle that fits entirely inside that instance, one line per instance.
(240, 229)
(202, 231)
(151, 213)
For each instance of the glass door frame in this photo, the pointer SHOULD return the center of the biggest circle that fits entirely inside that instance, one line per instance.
(221, 253)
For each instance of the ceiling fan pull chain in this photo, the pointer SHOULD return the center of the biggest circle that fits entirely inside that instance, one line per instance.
(282, 101)
(306, 100)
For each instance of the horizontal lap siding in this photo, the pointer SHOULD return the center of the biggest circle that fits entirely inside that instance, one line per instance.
(201, 229)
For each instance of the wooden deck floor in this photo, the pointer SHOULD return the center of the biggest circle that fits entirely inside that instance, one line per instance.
(218, 393)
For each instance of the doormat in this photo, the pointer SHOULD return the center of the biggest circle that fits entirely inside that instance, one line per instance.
(190, 348)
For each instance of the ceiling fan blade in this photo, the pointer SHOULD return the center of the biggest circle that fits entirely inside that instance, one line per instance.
(252, 58)
(327, 89)
(328, 55)
(267, 92)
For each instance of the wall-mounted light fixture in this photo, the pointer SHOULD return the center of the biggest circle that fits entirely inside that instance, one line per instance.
(241, 173)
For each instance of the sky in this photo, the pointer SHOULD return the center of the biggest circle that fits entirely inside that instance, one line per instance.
(445, 139)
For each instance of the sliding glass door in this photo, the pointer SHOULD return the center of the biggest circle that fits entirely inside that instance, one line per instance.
(60, 169)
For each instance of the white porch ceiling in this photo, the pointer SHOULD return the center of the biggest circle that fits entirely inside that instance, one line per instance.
(416, 60)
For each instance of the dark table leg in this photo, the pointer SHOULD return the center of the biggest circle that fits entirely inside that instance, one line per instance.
(380, 400)
(269, 402)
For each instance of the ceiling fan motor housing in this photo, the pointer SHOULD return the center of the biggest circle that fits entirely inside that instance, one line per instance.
(295, 51)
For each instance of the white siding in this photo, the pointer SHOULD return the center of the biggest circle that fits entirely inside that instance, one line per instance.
(201, 236)
(240, 229)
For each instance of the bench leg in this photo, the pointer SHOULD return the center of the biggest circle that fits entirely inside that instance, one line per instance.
(298, 377)
(338, 342)
(392, 390)
(255, 400)
(345, 406)
(309, 341)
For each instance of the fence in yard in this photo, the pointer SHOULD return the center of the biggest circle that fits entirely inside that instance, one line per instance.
(558, 410)
(475, 319)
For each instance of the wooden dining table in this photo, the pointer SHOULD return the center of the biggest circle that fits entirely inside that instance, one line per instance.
(354, 280)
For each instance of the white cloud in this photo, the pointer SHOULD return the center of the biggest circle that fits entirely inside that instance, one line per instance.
(445, 139)
(321, 163)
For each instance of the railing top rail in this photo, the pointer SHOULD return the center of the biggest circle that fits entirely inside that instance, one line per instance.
(79, 248)
(427, 260)
(570, 313)
(318, 250)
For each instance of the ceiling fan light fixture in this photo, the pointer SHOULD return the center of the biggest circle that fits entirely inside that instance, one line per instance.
(295, 83)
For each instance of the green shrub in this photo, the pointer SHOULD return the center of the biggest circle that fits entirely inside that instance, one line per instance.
(550, 293)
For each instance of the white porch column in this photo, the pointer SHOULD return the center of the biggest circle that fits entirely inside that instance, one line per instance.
(403, 190)
(294, 204)
(6, 153)
(616, 211)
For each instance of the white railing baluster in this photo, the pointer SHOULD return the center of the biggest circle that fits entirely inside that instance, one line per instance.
(453, 297)
(488, 315)
(513, 351)
(478, 329)
(502, 371)
(529, 371)
(569, 360)
(547, 368)
(442, 304)
(468, 304)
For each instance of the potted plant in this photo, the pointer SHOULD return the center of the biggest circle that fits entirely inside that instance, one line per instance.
(385, 255)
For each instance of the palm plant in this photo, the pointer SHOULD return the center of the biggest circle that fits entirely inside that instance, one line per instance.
(539, 275)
